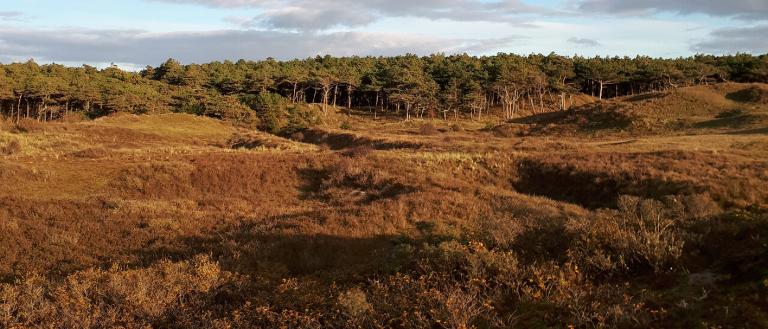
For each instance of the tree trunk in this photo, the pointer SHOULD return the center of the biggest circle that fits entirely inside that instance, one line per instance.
(349, 97)
(541, 102)
(45, 107)
(335, 91)
(601, 90)
(562, 101)
(18, 108)
(407, 111)
(326, 94)
(533, 108)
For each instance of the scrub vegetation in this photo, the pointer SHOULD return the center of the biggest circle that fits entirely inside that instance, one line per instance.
(231, 201)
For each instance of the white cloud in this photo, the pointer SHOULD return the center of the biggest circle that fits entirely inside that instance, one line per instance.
(742, 9)
(12, 16)
(734, 40)
(313, 15)
(135, 47)
(584, 42)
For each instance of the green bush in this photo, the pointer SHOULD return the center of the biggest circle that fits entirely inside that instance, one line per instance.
(278, 116)
(215, 106)
(300, 117)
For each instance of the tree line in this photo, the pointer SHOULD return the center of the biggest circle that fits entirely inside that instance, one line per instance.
(436, 86)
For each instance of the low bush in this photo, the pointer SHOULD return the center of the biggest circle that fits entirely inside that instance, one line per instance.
(641, 234)
(216, 106)
(354, 303)
(5, 123)
(113, 298)
(428, 129)
(351, 179)
(28, 125)
(278, 116)
(752, 94)
(506, 130)
(91, 153)
(10, 148)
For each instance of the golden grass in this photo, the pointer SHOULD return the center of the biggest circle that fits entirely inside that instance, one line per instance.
(171, 125)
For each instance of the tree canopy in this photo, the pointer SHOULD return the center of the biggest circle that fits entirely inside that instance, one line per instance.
(407, 85)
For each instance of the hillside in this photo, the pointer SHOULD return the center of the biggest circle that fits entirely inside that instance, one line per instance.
(729, 107)
(644, 211)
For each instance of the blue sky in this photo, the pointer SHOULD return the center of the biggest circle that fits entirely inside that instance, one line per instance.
(134, 33)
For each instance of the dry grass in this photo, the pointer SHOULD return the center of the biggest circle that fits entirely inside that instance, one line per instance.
(171, 126)
(693, 110)
(102, 224)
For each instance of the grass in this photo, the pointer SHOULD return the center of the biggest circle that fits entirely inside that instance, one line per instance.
(179, 221)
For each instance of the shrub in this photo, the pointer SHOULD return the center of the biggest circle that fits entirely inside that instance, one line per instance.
(358, 151)
(655, 240)
(278, 116)
(752, 94)
(28, 125)
(433, 301)
(91, 153)
(100, 299)
(471, 261)
(271, 111)
(216, 106)
(505, 130)
(297, 136)
(731, 114)
(10, 148)
(354, 303)
(5, 124)
(230, 108)
(500, 231)
(428, 129)
(462, 308)
(641, 234)
(155, 179)
(352, 178)
(698, 206)
(300, 117)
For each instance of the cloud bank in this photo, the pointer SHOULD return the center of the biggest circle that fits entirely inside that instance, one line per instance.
(735, 40)
(741, 9)
(287, 29)
(313, 15)
(141, 47)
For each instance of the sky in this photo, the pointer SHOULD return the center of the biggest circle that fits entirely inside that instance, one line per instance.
(136, 33)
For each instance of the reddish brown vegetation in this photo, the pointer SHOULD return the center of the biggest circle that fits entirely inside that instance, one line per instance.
(389, 228)
(339, 141)
(753, 94)
(596, 180)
